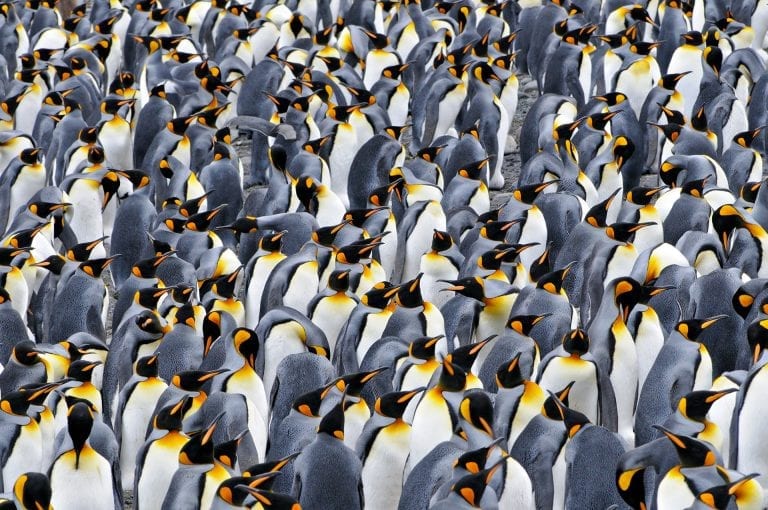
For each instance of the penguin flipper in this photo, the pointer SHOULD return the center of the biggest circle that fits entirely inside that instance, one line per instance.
(609, 416)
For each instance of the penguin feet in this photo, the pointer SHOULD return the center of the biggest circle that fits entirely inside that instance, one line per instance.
(497, 181)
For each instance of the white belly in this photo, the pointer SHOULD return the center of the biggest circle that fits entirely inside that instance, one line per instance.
(375, 324)
(136, 416)
(281, 342)
(331, 314)
(160, 464)
(27, 455)
(583, 396)
(303, 287)
(752, 447)
(431, 426)
(94, 476)
(384, 468)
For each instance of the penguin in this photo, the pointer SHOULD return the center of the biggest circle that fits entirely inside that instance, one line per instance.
(258, 270)
(327, 471)
(682, 365)
(330, 310)
(22, 449)
(137, 401)
(434, 415)
(158, 458)
(518, 401)
(77, 462)
(383, 448)
(32, 491)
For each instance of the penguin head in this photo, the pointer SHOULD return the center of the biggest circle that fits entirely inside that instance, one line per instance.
(199, 449)
(574, 421)
(82, 370)
(690, 451)
(272, 243)
(508, 375)
(473, 287)
(699, 120)
(147, 366)
(598, 214)
(356, 252)
(394, 72)
(745, 138)
(523, 324)
(306, 190)
(185, 314)
(79, 426)
(16, 403)
(527, 194)
(477, 409)
(362, 96)
(695, 188)
(428, 154)
(625, 232)
(394, 404)
(332, 423)
(611, 98)
(193, 380)
(552, 407)
(552, 282)
(757, 338)
(670, 81)
(471, 487)
(623, 149)
(475, 461)
(542, 265)
(721, 495)
(380, 295)
(352, 384)
(441, 241)
(179, 125)
(316, 146)
(226, 453)
(358, 217)
(55, 263)
(484, 73)
(452, 377)
(170, 417)
(147, 268)
(691, 329)
(151, 324)
(599, 121)
(576, 342)
(643, 195)
(631, 485)
(725, 220)
(475, 171)
(409, 293)
(150, 297)
(696, 404)
(693, 38)
(423, 348)
(380, 196)
(114, 106)
(713, 56)
(31, 156)
(339, 281)
(33, 491)
(464, 357)
(246, 344)
(326, 236)
(234, 491)
(225, 286)
(201, 221)
(95, 267)
(81, 252)
(13, 256)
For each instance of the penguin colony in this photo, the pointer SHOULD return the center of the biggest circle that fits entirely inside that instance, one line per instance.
(363, 328)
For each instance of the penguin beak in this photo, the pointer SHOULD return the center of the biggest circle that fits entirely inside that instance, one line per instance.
(712, 320)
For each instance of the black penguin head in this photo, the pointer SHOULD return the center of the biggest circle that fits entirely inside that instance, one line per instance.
(598, 214)
(695, 188)
(306, 189)
(309, 403)
(474, 461)
(670, 81)
(508, 375)
(497, 230)
(380, 196)
(201, 221)
(471, 487)
(749, 191)
(713, 56)
(623, 149)
(542, 265)
(452, 377)
(147, 268)
(691, 329)
(725, 220)
(274, 466)
(721, 495)
(627, 293)
(333, 422)
(441, 241)
(185, 314)
(643, 195)
(199, 449)
(151, 296)
(236, 490)
(631, 485)
(693, 38)
(527, 194)
(79, 426)
(745, 138)
(179, 125)
(553, 282)
(226, 453)
(625, 232)
(464, 357)
(147, 366)
(247, 344)
(193, 205)
(409, 293)
(393, 405)
(757, 337)
(82, 252)
(380, 295)
(352, 384)
(690, 451)
(31, 156)
(599, 121)
(43, 209)
(358, 217)
(523, 324)
(82, 370)
(272, 243)
(150, 323)
(475, 170)
(477, 409)
(339, 281)
(170, 417)
(95, 267)
(699, 120)
(576, 342)
(194, 380)
(696, 404)
(611, 98)
(13, 256)
(316, 146)
(553, 405)
(424, 347)
(113, 106)
(33, 490)
(473, 287)
(574, 421)
(326, 236)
